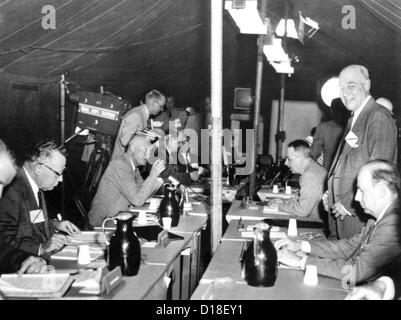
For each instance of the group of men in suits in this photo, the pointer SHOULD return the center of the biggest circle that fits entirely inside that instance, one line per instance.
(24, 222)
(363, 182)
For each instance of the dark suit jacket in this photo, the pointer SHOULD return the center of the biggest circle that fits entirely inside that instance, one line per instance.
(326, 139)
(16, 228)
(379, 251)
(377, 139)
(11, 258)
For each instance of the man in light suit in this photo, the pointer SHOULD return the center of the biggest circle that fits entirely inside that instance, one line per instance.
(311, 182)
(24, 222)
(122, 185)
(136, 120)
(13, 259)
(375, 249)
(370, 134)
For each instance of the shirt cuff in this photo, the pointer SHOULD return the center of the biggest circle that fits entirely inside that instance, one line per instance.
(389, 290)
(305, 246)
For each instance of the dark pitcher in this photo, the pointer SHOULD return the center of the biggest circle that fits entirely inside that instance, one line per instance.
(124, 249)
(170, 205)
(259, 262)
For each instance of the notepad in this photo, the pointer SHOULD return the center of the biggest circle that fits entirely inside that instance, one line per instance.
(70, 253)
(49, 285)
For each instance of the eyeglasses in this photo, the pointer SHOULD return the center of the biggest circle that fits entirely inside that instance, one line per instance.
(54, 171)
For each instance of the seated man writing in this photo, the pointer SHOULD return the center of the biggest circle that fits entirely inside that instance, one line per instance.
(24, 222)
(369, 253)
(311, 182)
(122, 185)
(13, 259)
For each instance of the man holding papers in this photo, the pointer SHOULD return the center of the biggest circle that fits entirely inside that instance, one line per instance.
(311, 182)
(368, 254)
(12, 259)
(370, 134)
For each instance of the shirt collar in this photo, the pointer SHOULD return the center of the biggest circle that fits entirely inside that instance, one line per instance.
(359, 110)
(146, 111)
(383, 212)
(33, 184)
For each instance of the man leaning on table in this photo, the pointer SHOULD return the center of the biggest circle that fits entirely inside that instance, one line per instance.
(24, 222)
(371, 252)
(13, 259)
(311, 182)
(122, 185)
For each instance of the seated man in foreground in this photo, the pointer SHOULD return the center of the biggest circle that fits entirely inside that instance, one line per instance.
(122, 185)
(369, 253)
(13, 259)
(311, 182)
(24, 222)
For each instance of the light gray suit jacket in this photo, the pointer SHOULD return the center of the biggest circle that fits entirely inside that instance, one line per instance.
(134, 120)
(377, 139)
(364, 256)
(120, 188)
(311, 184)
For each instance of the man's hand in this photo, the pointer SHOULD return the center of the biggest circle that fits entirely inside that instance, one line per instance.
(194, 175)
(67, 227)
(339, 211)
(55, 243)
(376, 290)
(289, 258)
(33, 265)
(325, 200)
(158, 167)
(290, 245)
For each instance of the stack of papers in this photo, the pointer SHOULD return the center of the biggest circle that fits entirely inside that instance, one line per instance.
(49, 285)
(71, 253)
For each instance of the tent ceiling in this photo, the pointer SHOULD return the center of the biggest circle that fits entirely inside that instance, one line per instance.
(160, 42)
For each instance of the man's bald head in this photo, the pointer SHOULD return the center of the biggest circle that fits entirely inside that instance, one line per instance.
(378, 185)
(385, 103)
(138, 148)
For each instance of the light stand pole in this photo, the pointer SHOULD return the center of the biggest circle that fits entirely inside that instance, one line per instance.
(62, 133)
(258, 89)
(216, 113)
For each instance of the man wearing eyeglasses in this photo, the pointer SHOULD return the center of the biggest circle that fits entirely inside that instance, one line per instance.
(13, 259)
(370, 134)
(136, 120)
(24, 222)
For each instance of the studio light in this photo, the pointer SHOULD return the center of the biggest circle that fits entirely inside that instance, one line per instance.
(330, 90)
(249, 15)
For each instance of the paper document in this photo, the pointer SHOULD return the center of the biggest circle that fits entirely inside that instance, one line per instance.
(35, 285)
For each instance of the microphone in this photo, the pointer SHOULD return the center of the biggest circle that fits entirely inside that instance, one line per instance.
(174, 181)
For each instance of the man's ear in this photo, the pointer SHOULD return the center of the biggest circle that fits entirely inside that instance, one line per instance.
(366, 85)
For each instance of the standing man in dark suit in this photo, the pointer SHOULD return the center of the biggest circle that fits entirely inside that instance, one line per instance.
(370, 134)
(12, 259)
(24, 222)
(136, 120)
(374, 250)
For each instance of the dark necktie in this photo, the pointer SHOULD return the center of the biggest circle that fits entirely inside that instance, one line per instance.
(42, 205)
(342, 143)
(364, 241)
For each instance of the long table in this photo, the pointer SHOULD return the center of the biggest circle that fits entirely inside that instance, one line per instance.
(171, 272)
(223, 277)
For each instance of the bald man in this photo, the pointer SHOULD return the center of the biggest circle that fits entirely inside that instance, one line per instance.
(369, 253)
(13, 259)
(122, 185)
(370, 134)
